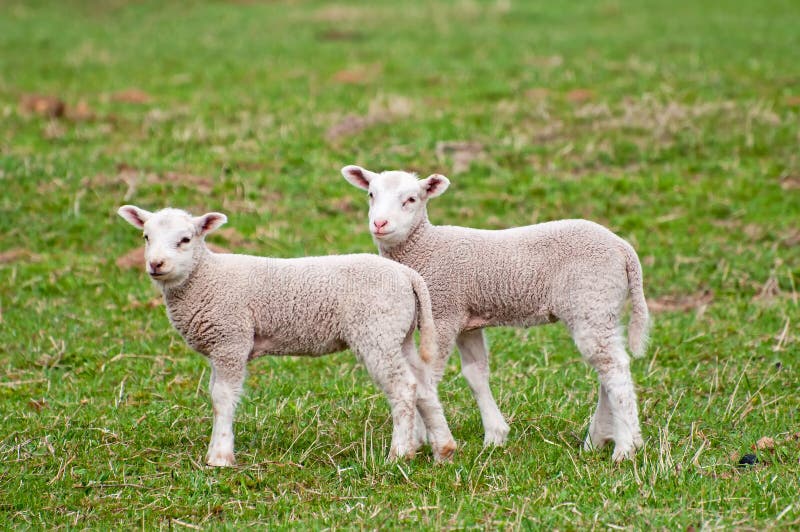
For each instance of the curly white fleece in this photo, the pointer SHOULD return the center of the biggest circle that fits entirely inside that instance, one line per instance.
(233, 308)
(575, 271)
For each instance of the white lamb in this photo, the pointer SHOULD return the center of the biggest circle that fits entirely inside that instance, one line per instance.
(571, 270)
(233, 308)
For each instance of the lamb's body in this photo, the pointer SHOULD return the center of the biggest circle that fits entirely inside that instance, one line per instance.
(233, 308)
(306, 306)
(573, 271)
(561, 270)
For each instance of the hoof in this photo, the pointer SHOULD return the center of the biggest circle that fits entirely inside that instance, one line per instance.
(496, 435)
(623, 453)
(396, 454)
(217, 459)
(444, 453)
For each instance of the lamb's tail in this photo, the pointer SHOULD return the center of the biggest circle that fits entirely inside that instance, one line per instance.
(640, 317)
(427, 332)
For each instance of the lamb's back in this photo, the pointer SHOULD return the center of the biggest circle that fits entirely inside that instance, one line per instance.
(516, 273)
(314, 305)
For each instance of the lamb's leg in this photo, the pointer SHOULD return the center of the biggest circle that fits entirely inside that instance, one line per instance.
(429, 409)
(622, 399)
(605, 352)
(227, 378)
(475, 368)
(446, 333)
(420, 430)
(393, 375)
(601, 428)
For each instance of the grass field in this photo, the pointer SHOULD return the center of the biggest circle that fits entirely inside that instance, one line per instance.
(676, 124)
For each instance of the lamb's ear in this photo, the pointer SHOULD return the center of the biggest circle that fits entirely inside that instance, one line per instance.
(433, 185)
(134, 215)
(209, 222)
(357, 176)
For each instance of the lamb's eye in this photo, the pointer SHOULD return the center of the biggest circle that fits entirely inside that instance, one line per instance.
(145, 238)
(185, 240)
(409, 200)
(371, 196)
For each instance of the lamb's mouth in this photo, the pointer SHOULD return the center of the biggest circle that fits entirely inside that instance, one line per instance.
(158, 275)
(381, 234)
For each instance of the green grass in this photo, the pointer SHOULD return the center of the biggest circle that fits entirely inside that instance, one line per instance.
(673, 123)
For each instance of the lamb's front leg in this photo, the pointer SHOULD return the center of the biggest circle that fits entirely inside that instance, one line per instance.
(227, 377)
(475, 368)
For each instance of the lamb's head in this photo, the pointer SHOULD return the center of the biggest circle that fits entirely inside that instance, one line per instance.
(173, 240)
(397, 200)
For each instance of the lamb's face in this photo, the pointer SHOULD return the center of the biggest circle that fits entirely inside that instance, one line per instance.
(172, 238)
(397, 200)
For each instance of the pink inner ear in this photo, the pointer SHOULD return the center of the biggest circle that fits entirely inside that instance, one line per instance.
(433, 184)
(133, 216)
(208, 223)
(358, 175)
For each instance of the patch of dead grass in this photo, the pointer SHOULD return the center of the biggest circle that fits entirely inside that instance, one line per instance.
(42, 105)
(681, 302)
(340, 35)
(358, 75)
(80, 112)
(133, 178)
(132, 95)
(764, 443)
(268, 201)
(640, 120)
(790, 238)
(382, 110)
(769, 290)
(53, 129)
(537, 94)
(230, 235)
(579, 95)
(462, 153)
(340, 13)
(790, 182)
(153, 302)
(545, 61)
(344, 204)
(18, 255)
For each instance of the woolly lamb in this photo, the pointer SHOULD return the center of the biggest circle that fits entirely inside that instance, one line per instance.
(233, 308)
(570, 270)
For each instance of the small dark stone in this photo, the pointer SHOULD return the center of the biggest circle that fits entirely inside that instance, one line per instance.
(778, 365)
(747, 460)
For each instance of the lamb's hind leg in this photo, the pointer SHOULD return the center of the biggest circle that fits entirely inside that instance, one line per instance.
(601, 427)
(430, 421)
(393, 375)
(475, 368)
(604, 350)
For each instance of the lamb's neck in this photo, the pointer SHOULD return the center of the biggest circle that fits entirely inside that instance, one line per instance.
(178, 292)
(419, 245)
